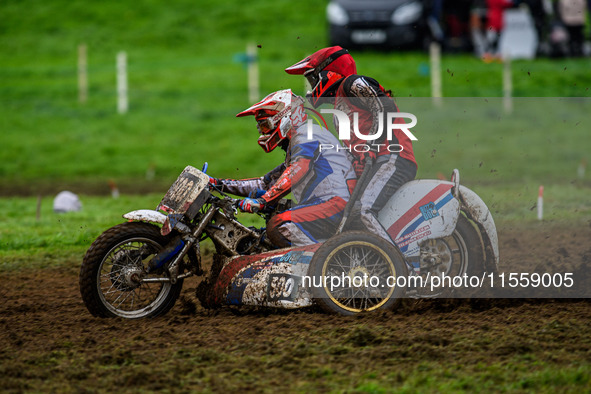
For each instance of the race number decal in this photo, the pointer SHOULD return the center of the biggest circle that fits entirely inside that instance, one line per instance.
(283, 287)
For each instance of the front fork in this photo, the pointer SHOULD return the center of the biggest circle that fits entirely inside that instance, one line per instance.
(188, 245)
(190, 248)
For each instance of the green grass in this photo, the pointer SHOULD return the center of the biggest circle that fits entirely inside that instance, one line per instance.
(58, 239)
(62, 239)
(543, 140)
(186, 85)
(37, 239)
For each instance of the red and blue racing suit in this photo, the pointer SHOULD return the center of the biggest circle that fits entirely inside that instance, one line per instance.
(320, 178)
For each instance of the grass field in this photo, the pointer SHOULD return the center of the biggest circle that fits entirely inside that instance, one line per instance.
(186, 84)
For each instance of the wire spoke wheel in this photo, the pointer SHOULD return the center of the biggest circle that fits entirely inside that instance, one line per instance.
(362, 270)
(113, 270)
(358, 273)
(120, 278)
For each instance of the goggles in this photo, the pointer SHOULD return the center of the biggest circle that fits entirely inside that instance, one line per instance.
(265, 125)
(312, 78)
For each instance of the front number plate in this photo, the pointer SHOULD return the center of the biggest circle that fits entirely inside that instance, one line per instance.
(368, 36)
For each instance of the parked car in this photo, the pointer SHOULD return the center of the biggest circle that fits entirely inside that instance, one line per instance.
(377, 23)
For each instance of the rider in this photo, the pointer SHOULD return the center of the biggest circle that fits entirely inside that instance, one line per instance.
(332, 74)
(320, 180)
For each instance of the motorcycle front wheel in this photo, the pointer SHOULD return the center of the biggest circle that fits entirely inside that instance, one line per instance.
(113, 268)
(357, 272)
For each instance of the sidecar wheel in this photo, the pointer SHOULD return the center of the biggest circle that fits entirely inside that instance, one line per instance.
(110, 270)
(356, 272)
(473, 254)
(457, 255)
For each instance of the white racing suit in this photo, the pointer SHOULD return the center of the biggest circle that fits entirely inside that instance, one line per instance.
(363, 99)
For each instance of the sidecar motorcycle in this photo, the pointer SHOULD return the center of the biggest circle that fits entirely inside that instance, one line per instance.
(136, 269)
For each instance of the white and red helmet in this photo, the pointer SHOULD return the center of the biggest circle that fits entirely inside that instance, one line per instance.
(276, 114)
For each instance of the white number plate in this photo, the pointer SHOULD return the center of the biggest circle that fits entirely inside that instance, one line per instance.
(368, 36)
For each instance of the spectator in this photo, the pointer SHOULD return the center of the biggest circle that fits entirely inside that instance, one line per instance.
(572, 14)
(589, 6)
(477, 26)
(434, 20)
(457, 22)
(496, 9)
(539, 14)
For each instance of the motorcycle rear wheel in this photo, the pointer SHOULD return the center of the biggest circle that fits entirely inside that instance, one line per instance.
(109, 274)
(366, 267)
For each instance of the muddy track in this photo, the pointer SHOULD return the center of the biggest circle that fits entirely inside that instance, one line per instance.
(49, 341)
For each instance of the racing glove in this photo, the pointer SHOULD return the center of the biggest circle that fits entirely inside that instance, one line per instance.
(214, 183)
(251, 205)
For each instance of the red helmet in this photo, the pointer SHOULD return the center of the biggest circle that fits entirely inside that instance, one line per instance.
(334, 59)
(323, 69)
(275, 116)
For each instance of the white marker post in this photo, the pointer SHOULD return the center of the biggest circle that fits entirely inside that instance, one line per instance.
(122, 103)
(82, 74)
(114, 189)
(540, 202)
(38, 215)
(253, 73)
(435, 57)
(507, 84)
(582, 168)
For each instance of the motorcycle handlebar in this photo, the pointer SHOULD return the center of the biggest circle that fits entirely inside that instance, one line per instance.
(235, 203)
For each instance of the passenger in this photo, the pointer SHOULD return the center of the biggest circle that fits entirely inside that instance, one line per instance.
(332, 74)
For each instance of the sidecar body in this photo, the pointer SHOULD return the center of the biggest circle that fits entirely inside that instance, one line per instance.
(275, 279)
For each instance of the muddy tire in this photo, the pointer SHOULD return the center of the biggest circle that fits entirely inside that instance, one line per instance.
(366, 267)
(111, 266)
(456, 255)
(459, 254)
(469, 235)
